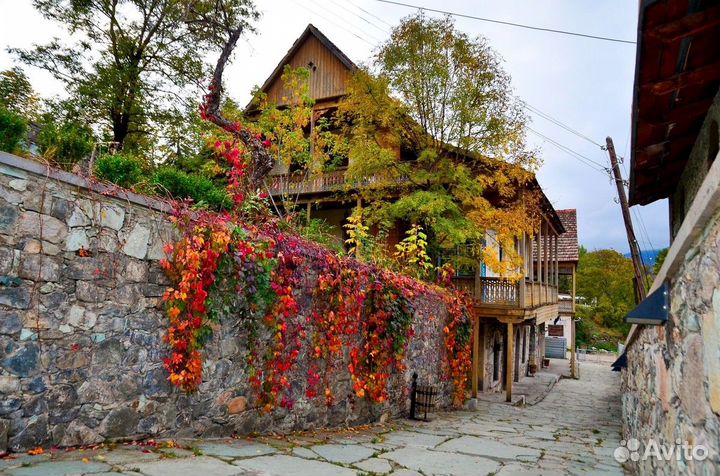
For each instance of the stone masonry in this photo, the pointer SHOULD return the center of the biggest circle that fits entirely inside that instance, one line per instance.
(82, 325)
(672, 383)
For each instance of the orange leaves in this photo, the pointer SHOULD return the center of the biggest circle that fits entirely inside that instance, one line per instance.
(193, 265)
(36, 451)
(458, 344)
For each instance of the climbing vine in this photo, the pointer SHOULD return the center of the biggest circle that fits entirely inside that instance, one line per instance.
(240, 263)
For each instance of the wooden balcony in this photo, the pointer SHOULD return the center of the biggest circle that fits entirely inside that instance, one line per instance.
(300, 184)
(334, 181)
(500, 292)
(566, 307)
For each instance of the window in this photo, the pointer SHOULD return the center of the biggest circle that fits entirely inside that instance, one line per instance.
(524, 347)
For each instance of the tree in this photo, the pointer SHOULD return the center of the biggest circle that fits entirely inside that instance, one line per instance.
(65, 143)
(12, 130)
(605, 280)
(659, 260)
(137, 63)
(17, 94)
(442, 95)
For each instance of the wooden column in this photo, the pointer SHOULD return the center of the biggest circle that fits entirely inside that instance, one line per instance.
(548, 263)
(481, 356)
(573, 289)
(572, 348)
(475, 356)
(573, 372)
(309, 210)
(557, 262)
(509, 349)
(540, 259)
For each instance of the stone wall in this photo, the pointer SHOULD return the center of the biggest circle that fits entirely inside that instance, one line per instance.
(696, 168)
(82, 325)
(672, 383)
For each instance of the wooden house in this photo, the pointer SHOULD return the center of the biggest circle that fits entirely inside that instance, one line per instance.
(509, 316)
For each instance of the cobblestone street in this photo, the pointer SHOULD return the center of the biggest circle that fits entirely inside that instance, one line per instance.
(572, 431)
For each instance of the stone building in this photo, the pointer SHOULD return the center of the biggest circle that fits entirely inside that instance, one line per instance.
(671, 375)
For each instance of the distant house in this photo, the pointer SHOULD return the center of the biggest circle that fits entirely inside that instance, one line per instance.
(568, 257)
(671, 368)
(509, 316)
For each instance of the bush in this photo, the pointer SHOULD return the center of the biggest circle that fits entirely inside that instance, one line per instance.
(66, 144)
(178, 184)
(12, 130)
(120, 169)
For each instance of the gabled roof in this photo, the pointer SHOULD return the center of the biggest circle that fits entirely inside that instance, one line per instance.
(568, 241)
(311, 30)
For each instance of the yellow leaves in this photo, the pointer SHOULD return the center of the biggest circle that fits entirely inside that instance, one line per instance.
(357, 233)
(412, 254)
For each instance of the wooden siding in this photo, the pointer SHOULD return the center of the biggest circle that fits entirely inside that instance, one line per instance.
(328, 79)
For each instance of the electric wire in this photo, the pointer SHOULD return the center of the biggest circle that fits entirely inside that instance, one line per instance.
(501, 22)
(349, 24)
(582, 158)
(334, 23)
(558, 123)
(384, 31)
(369, 13)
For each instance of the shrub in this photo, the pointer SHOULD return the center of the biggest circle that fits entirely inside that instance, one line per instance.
(178, 184)
(121, 169)
(12, 130)
(66, 143)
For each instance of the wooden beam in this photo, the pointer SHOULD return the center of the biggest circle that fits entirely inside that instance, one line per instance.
(475, 356)
(693, 77)
(509, 346)
(688, 25)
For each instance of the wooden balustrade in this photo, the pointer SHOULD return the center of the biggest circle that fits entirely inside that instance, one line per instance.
(566, 306)
(326, 182)
(292, 184)
(503, 292)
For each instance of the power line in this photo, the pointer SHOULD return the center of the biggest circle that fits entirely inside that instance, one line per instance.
(384, 31)
(346, 30)
(348, 24)
(557, 122)
(518, 25)
(582, 158)
(369, 13)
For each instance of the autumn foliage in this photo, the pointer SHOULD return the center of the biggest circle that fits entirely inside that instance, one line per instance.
(366, 311)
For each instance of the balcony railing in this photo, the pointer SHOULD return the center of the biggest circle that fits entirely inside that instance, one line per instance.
(293, 184)
(565, 306)
(503, 292)
(326, 182)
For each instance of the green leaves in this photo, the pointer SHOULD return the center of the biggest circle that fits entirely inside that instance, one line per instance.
(138, 63)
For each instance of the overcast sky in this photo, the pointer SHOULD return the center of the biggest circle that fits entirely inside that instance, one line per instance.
(584, 83)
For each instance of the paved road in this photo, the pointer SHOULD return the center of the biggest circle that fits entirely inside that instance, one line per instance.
(573, 431)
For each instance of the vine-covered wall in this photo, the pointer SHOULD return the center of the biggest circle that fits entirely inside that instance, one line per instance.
(82, 327)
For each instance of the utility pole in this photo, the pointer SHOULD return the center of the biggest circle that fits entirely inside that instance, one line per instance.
(632, 241)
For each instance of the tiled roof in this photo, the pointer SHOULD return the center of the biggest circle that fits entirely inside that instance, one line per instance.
(568, 241)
